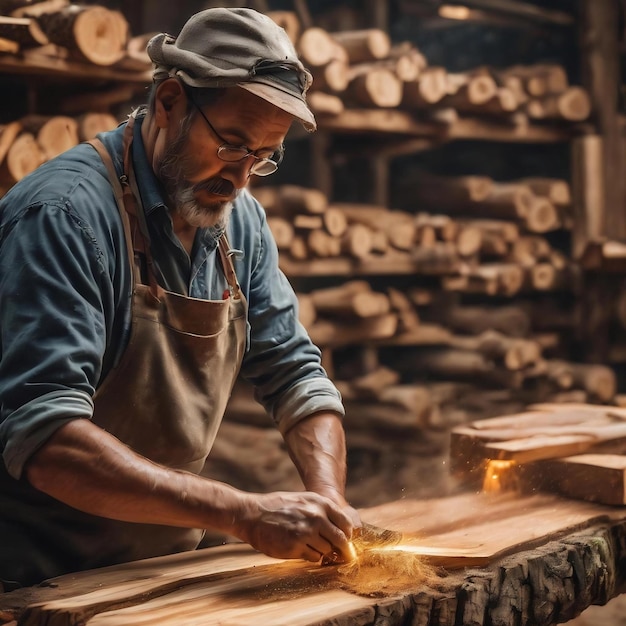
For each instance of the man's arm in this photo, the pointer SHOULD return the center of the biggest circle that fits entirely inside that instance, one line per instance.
(89, 469)
(317, 447)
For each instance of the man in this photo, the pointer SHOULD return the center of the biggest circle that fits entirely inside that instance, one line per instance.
(137, 278)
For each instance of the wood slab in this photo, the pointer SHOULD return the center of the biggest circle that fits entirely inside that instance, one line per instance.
(546, 431)
(235, 585)
(593, 477)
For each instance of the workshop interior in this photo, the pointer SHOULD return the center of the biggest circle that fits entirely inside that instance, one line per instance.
(455, 233)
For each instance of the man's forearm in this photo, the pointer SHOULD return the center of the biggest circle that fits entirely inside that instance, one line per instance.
(89, 469)
(318, 449)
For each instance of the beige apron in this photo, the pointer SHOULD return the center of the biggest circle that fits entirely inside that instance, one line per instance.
(166, 397)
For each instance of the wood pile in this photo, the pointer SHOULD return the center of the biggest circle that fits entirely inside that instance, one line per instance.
(32, 140)
(90, 34)
(363, 68)
(492, 241)
(479, 320)
(489, 309)
(407, 338)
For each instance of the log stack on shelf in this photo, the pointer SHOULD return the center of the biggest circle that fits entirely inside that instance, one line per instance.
(27, 143)
(538, 205)
(40, 33)
(478, 330)
(61, 39)
(493, 241)
(489, 346)
(363, 68)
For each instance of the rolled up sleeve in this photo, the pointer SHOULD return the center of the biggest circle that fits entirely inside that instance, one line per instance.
(28, 427)
(282, 363)
(53, 329)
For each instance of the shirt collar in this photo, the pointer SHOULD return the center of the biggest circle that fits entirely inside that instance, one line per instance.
(149, 187)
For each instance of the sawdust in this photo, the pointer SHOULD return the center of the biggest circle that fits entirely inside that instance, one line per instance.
(385, 572)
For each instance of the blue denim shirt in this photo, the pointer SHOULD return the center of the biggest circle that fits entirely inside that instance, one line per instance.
(65, 286)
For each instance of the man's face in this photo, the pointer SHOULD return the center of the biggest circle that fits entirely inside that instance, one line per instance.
(202, 186)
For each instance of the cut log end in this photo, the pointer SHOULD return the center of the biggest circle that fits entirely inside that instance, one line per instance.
(58, 134)
(100, 35)
(23, 157)
(316, 47)
(90, 124)
(542, 217)
(380, 88)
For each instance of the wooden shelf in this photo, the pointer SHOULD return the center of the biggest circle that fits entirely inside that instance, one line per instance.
(393, 121)
(37, 62)
(423, 335)
(607, 256)
(343, 266)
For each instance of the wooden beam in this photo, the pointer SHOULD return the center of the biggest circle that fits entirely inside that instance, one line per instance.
(36, 62)
(390, 121)
(602, 79)
(524, 10)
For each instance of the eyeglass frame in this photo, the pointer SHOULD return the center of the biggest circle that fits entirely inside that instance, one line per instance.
(225, 145)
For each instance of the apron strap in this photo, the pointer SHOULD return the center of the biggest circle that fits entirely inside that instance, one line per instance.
(226, 255)
(135, 227)
(118, 192)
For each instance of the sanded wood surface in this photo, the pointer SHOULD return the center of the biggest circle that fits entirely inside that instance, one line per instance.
(506, 558)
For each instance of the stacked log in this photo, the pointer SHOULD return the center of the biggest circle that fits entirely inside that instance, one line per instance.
(27, 143)
(351, 312)
(363, 68)
(538, 205)
(91, 34)
(471, 254)
(402, 398)
(489, 346)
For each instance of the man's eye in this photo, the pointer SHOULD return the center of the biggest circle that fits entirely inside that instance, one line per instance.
(268, 154)
(232, 153)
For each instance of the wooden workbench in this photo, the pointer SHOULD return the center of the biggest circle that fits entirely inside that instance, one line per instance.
(509, 560)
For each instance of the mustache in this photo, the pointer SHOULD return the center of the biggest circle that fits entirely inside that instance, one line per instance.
(217, 186)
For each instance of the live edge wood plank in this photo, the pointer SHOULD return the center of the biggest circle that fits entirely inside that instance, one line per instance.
(545, 559)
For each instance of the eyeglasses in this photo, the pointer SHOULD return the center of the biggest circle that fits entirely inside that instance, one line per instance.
(262, 166)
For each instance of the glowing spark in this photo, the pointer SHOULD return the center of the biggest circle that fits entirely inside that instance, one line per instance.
(499, 476)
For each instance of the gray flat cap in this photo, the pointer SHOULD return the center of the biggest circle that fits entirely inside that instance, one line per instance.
(237, 47)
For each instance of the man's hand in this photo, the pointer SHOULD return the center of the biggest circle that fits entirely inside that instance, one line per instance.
(300, 525)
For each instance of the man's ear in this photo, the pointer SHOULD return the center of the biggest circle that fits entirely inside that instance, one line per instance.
(170, 99)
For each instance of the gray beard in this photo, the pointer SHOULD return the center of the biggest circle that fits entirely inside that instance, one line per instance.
(181, 193)
(215, 214)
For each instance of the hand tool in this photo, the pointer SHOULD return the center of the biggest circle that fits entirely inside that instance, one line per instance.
(364, 537)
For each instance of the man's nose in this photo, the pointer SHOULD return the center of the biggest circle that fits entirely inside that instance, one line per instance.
(238, 172)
